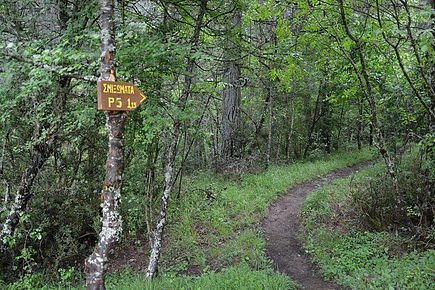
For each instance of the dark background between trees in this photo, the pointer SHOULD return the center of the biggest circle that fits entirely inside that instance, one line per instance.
(244, 84)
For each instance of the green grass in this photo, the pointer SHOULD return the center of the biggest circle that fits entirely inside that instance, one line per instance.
(238, 277)
(359, 259)
(362, 261)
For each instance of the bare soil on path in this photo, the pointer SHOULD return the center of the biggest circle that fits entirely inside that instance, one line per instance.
(281, 228)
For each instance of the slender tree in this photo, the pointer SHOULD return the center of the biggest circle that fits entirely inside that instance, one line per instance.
(170, 173)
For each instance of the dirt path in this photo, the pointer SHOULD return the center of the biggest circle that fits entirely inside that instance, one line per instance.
(281, 227)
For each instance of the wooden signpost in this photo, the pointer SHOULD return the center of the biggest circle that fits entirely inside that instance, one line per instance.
(118, 96)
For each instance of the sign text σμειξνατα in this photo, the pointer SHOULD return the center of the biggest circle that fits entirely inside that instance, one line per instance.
(118, 96)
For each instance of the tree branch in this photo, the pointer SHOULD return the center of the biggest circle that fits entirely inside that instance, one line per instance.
(49, 68)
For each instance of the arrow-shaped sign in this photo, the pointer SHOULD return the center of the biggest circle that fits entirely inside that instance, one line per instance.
(118, 96)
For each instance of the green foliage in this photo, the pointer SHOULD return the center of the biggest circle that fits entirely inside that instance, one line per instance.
(298, 51)
(68, 279)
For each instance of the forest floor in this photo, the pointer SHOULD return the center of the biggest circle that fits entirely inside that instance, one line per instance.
(282, 225)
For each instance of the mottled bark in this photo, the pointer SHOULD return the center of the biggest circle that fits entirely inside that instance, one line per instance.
(170, 176)
(110, 196)
(4, 181)
(111, 192)
(231, 94)
(231, 112)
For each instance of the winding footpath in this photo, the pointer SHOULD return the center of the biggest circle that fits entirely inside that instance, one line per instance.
(281, 227)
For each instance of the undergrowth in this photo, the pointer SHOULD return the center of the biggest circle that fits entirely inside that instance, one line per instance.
(350, 250)
(214, 238)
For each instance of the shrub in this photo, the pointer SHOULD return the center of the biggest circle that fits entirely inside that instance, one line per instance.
(409, 212)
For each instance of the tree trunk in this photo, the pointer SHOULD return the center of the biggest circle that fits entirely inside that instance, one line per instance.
(289, 141)
(170, 177)
(269, 134)
(359, 124)
(169, 183)
(316, 117)
(231, 93)
(22, 196)
(111, 192)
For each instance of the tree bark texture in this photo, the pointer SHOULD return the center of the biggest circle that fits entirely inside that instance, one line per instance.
(289, 139)
(270, 127)
(110, 197)
(432, 62)
(111, 192)
(231, 92)
(170, 176)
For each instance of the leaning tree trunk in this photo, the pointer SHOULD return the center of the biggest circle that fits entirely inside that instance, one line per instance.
(111, 192)
(169, 183)
(22, 196)
(170, 175)
(41, 152)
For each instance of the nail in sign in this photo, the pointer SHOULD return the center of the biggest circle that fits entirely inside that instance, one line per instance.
(118, 96)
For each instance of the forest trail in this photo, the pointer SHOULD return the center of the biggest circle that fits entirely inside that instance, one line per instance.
(281, 227)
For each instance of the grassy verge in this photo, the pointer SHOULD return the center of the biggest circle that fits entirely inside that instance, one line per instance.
(356, 258)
